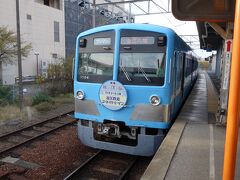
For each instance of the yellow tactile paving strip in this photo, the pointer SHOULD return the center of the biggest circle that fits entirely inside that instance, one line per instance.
(212, 96)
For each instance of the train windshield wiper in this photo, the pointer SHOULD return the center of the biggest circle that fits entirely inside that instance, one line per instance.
(125, 73)
(144, 74)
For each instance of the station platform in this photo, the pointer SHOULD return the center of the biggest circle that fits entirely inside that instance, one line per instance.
(194, 146)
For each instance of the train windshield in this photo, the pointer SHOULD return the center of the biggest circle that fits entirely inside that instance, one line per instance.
(142, 68)
(142, 58)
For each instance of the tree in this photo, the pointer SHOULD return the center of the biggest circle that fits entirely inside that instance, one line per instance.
(8, 46)
(60, 75)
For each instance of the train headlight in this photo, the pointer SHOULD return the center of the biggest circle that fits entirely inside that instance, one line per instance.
(80, 95)
(155, 100)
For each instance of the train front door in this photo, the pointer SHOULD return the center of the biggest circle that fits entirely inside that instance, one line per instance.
(175, 78)
(182, 70)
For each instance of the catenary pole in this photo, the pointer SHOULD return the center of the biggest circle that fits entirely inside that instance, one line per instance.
(19, 57)
(233, 104)
(94, 14)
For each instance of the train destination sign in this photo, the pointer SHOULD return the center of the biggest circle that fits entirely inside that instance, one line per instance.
(102, 41)
(137, 40)
(113, 95)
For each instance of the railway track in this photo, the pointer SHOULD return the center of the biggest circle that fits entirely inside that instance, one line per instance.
(27, 134)
(104, 165)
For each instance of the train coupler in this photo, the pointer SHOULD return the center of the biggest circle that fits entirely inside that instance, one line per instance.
(109, 130)
(113, 130)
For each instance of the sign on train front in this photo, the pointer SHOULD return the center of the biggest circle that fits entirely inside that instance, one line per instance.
(113, 95)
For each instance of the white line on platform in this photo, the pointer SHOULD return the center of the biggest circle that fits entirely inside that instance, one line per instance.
(211, 155)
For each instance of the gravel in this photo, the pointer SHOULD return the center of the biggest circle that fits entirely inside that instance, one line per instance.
(58, 154)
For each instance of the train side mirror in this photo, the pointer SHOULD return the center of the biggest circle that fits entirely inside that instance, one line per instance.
(162, 41)
(83, 43)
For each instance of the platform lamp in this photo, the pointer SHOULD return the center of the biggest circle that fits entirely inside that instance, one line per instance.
(37, 54)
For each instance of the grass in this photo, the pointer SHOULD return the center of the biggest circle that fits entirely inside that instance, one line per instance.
(56, 102)
(10, 112)
(63, 99)
(45, 106)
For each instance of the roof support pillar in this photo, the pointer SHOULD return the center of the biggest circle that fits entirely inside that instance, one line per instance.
(233, 105)
(218, 29)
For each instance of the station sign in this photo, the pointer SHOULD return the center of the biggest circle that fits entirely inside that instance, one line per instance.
(227, 68)
(113, 95)
(204, 10)
(227, 63)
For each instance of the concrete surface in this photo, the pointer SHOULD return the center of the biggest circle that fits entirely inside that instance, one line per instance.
(196, 151)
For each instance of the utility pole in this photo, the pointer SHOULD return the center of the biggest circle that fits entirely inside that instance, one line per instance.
(129, 13)
(19, 57)
(94, 14)
(37, 54)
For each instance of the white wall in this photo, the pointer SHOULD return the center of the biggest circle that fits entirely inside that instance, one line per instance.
(39, 31)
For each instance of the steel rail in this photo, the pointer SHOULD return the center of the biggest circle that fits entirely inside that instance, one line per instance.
(76, 173)
(72, 174)
(124, 173)
(36, 124)
(11, 147)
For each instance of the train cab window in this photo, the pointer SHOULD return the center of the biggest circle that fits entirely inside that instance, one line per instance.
(95, 67)
(95, 57)
(142, 60)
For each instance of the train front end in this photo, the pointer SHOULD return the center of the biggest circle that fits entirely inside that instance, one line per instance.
(122, 88)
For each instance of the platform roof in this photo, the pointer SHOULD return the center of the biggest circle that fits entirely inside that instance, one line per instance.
(209, 38)
(201, 11)
(204, 11)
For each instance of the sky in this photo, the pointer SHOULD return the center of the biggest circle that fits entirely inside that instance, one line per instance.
(182, 28)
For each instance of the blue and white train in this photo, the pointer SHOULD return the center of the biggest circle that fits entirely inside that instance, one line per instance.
(130, 81)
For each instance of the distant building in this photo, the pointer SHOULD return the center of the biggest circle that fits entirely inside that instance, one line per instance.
(42, 25)
(78, 18)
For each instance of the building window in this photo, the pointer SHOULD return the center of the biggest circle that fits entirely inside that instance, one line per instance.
(46, 2)
(56, 32)
(51, 3)
(54, 55)
(29, 17)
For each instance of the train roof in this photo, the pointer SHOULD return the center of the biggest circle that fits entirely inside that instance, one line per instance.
(135, 26)
(146, 27)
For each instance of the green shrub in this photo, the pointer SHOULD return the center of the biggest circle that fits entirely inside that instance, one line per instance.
(53, 91)
(41, 97)
(69, 95)
(64, 99)
(6, 96)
